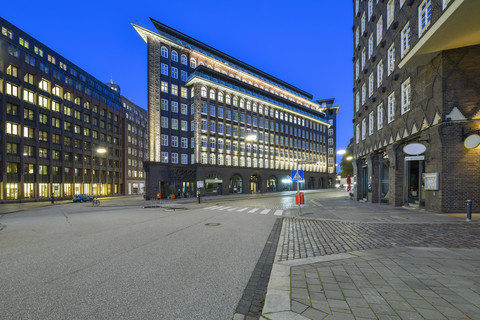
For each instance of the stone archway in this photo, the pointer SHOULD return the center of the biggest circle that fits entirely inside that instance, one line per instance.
(236, 184)
(255, 183)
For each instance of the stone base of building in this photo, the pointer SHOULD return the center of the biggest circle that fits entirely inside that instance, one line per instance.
(166, 180)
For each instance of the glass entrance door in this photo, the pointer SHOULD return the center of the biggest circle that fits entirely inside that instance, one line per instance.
(414, 185)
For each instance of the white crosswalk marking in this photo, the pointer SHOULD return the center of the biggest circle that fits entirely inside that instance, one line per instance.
(265, 211)
(225, 208)
(232, 209)
(211, 207)
(242, 209)
(253, 210)
(278, 213)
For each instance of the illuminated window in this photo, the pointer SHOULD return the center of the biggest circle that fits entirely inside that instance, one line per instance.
(164, 86)
(12, 71)
(39, 51)
(23, 42)
(174, 90)
(43, 85)
(204, 92)
(379, 73)
(174, 73)
(164, 69)
(391, 59)
(42, 101)
(12, 128)
(212, 94)
(57, 91)
(28, 96)
(11, 89)
(193, 63)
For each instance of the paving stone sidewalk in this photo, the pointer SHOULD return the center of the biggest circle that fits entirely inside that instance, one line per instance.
(333, 269)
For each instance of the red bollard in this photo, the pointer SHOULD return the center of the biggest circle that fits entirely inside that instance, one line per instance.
(302, 198)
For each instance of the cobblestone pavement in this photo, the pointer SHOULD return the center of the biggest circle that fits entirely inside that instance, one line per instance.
(311, 238)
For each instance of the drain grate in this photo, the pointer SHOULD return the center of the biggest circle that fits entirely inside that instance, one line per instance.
(212, 224)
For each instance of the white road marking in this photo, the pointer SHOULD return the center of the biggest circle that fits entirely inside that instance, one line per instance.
(242, 209)
(278, 213)
(232, 209)
(253, 210)
(265, 211)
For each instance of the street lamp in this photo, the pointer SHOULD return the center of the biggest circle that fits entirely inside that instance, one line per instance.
(349, 158)
(341, 152)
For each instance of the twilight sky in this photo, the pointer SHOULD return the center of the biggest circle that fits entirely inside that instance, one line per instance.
(307, 43)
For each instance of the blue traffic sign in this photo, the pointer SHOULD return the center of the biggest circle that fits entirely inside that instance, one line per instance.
(297, 175)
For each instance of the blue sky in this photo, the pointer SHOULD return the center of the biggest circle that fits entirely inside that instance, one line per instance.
(305, 43)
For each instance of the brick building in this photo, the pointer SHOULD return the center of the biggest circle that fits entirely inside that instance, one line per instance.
(225, 126)
(417, 103)
(135, 147)
(55, 119)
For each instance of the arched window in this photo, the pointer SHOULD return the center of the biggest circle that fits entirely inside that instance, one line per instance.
(174, 55)
(220, 97)
(235, 161)
(212, 94)
(242, 103)
(249, 105)
(254, 108)
(249, 162)
(228, 99)
(204, 92)
(193, 63)
(212, 158)
(235, 101)
(255, 163)
(164, 52)
(228, 160)
(220, 160)
(242, 161)
(183, 59)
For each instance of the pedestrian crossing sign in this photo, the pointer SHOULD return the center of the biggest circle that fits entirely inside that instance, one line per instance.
(297, 175)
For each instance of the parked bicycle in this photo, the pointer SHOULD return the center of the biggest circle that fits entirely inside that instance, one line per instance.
(95, 202)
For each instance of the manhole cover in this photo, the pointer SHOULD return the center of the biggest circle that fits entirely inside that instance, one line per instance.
(212, 224)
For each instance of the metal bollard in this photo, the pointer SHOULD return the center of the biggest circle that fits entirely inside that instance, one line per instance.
(469, 210)
(198, 196)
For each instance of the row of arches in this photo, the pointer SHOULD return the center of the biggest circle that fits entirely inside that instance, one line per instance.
(236, 183)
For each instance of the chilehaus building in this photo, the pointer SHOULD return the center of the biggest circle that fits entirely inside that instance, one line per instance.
(223, 126)
(63, 132)
(417, 102)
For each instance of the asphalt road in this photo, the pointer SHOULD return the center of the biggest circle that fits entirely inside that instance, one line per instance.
(74, 261)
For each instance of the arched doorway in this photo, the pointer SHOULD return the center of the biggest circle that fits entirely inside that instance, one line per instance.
(213, 184)
(287, 183)
(235, 185)
(311, 183)
(272, 184)
(255, 183)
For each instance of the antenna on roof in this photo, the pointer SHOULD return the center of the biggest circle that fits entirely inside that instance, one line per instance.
(111, 78)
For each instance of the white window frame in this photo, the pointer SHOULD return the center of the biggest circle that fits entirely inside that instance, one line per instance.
(391, 59)
(406, 96)
(405, 39)
(371, 123)
(390, 12)
(391, 107)
(379, 30)
(364, 128)
(379, 73)
(380, 116)
(371, 83)
(424, 16)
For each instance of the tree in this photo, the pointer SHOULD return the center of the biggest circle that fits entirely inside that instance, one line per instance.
(346, 167)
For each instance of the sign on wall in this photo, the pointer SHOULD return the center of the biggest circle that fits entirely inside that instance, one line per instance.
(431, 181)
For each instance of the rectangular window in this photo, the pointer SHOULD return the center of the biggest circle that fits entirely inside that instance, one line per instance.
(184, 75)
(28, 96)
(364, 94)
(164, 69)
(390, 12)
(370, 84)
(357, 134)
(391, 59)
(379, 73)
(370, 46)
(371, 123)
(184, 109)
(164, 86)
(364, 128)
(174, 106)
(12, 71)
(174, 73)
(174, 124)
(164, 140)
(391, 107)
(12, 128)
(406, 96)
(174, 141)
(164, 104)
(164, 122)
(357, 102)
(184, 143)
(379, 30)
(424, 16)
(164, 157)
(23, 42)
(11, 89)
(184, 92)
(184, 125)
(175, 89)
(405, 39)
